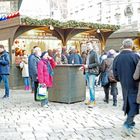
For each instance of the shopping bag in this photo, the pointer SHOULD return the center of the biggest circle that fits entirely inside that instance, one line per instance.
(42, 92)
(42, 89)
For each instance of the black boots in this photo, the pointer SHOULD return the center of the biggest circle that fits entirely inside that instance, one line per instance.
(114, 103)
(115, 100)
(106, 100)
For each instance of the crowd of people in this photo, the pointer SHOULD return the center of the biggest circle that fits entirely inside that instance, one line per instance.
(111, 67)
(40, 67)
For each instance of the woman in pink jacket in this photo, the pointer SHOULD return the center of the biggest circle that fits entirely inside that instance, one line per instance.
(45, 73)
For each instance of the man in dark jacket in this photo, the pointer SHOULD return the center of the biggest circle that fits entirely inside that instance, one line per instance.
(111, 85)
(123, 68)
(4, 69)
(30, 67)
(73, 57)
(91, 70)
(33, 61)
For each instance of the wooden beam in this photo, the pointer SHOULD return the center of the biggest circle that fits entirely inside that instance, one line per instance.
(66, 34)
(10, 23)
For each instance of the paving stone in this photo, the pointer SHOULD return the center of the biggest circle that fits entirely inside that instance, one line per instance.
(23, 119)
(42, 138)
(28, 135)
(41, 134)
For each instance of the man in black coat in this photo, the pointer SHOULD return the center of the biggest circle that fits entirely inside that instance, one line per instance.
(123, 68)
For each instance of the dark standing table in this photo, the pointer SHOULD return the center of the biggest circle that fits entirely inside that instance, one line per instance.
(68, 84)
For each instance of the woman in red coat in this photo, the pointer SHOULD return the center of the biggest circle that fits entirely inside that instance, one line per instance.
(45, 72)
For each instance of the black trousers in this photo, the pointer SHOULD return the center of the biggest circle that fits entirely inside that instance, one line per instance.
(114, 91)
(35, 89)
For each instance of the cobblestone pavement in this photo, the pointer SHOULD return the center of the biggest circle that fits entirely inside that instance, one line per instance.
(23, 119)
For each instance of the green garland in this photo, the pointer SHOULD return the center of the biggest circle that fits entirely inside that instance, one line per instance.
(68, 24)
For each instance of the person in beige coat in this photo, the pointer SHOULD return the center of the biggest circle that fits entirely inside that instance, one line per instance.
(136, 76)
(25, 71)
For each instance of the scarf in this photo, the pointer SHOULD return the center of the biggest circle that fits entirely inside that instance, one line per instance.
(49, 67)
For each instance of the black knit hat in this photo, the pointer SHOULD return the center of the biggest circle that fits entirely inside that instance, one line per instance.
(43, 53)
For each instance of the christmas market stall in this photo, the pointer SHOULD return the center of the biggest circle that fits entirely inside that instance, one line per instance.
(14, 34)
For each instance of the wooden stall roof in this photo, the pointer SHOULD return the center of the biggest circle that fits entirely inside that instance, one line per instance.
(115, 39)
(62, 30)
(91, 27)
(126, 33)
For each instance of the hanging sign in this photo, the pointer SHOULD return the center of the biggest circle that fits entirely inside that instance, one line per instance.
(128, 10)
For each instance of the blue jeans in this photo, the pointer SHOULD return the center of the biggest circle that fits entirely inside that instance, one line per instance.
(91, 85)
(26, 81)
(5, 79)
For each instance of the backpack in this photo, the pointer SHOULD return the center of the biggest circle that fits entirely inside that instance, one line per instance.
(104, 78)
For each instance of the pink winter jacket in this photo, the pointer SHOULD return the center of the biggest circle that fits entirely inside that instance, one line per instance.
(43, 74)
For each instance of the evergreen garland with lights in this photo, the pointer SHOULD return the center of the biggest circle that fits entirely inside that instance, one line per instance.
(68, 24)
(57, 23)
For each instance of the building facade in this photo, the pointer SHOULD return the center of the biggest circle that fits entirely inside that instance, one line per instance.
(56, 9)
(104, 11)
(120, 12)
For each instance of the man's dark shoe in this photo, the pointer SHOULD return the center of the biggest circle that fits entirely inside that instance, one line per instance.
(127, 130)
(107, 101)
(5, 96)
(114, 104)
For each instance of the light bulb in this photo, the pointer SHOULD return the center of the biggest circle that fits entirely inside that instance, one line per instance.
(51, 27)
(98, 30)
